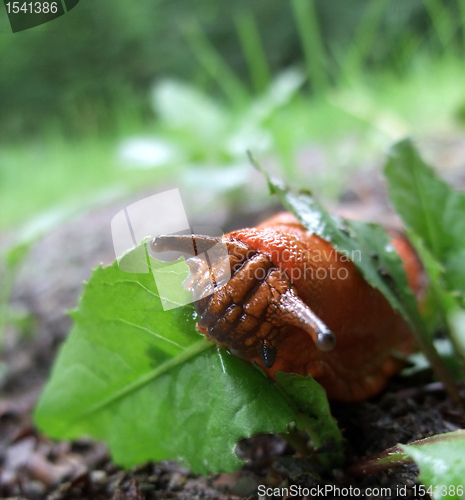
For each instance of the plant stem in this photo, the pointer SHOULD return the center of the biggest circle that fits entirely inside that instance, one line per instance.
(440, 369)
(297, 441)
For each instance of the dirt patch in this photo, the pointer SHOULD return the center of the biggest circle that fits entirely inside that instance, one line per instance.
(33, 467)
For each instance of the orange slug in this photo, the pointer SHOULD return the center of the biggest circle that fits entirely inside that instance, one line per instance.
(293, 303)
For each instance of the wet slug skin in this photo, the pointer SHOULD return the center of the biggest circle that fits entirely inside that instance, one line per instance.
(293, 303)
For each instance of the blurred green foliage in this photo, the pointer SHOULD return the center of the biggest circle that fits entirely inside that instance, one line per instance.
(83, 69)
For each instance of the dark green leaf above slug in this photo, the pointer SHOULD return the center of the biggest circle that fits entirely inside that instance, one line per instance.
(374, 255)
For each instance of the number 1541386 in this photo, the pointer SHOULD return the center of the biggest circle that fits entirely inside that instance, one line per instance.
(32, 7)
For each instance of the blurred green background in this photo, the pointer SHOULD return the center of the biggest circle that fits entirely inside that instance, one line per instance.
(119, 95)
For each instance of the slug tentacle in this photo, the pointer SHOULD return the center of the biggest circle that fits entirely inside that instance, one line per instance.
(295, 312)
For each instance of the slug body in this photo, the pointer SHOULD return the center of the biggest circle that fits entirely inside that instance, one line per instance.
(293, 303)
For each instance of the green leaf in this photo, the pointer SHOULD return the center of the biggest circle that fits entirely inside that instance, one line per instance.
(431, 209)
(441, 460)
(435, 216)
(144, 381)
(310, 399)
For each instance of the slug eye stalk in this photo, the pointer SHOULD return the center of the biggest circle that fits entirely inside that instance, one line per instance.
(189, 244)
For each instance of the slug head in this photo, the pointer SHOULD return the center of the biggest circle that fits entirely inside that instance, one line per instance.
(250, 312)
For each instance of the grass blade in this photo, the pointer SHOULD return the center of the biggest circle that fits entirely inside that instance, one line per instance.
(312, 44)
(214, 64)
(364, 37)
(443, 22)
(254, 52)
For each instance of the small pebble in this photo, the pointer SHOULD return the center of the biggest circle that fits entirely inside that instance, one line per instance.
(176, 481)
(34, 490)
(98, 476)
